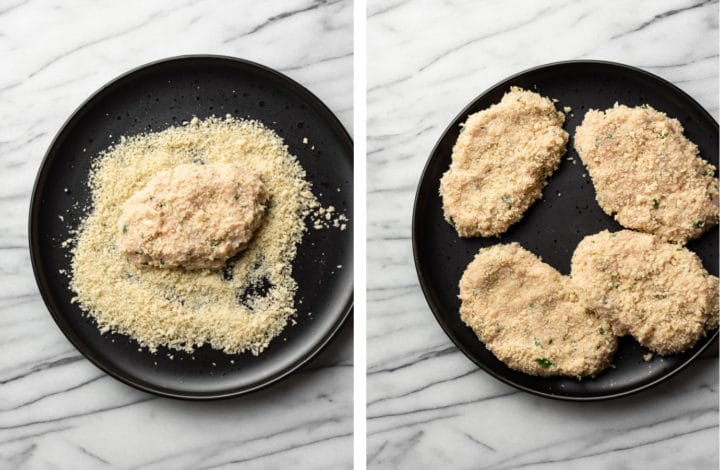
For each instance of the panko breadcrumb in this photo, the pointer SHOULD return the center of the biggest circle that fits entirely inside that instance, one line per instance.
(647, 173)
(240, 308)
(529, 318)
(192, 216)
(656, 291)
(500, 163)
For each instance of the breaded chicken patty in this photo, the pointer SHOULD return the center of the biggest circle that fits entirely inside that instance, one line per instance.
(529, 318)
(656, 291)
(500, 163)
(647, 173)
(192, 216)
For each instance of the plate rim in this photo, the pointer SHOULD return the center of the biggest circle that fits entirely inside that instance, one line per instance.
(40, 278)
(424, 285)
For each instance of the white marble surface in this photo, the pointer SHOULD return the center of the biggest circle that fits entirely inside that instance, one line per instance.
(56, 409)
(429, 406)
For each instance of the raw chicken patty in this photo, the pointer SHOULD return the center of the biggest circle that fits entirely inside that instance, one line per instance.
(500, 163)
(656, 291)
(192, 216)
(529, 318)
(647, 173)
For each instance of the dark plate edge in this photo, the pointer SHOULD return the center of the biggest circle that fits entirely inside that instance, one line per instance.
(425, 285)
(41, 282)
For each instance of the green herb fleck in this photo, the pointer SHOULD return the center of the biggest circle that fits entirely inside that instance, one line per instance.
(699, 223)
(506, 199)
(544, 362)
(162, 262)
(538, 343)
(161, 204)
(125, 227)
(236, 196)
(613, 235)
(609, 136)
(656, 204)
(602, 331)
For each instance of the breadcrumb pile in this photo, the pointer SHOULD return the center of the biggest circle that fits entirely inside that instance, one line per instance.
(239, 308)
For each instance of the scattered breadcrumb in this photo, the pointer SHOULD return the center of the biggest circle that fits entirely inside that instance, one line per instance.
(567, 109)
(648, 357)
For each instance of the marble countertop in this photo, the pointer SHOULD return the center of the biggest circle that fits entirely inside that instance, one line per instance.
(428, 405)
(57, 410)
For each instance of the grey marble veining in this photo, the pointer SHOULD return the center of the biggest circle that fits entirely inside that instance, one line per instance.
(56, 409)
(428, 405)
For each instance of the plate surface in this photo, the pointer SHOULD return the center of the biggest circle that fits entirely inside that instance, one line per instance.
(154, 97)
(554, 225)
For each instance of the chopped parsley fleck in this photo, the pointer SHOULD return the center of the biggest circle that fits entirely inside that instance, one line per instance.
(125, 228)
(162, 261)
(538, 343)
(609, 136)
(236, 196)
(699, 223)
(506, 199)
(602, 331)
(544, 362)
(656, 204)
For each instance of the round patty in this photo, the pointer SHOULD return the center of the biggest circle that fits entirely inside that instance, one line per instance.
(656, 291)
(647, 173)
(529, 318)
(192, 216)
(500, 163)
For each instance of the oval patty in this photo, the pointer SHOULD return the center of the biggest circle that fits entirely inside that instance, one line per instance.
(192, 216)
(647, 173)
(656, 291)
(529, 318)
(500, 163)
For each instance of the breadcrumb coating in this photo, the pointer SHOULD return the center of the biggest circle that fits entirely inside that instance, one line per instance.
(528, 316)
(656, 291)
(500, 163)
(192, 216)
(647, 173)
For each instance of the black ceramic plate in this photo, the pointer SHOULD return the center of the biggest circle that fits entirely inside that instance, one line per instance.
(154, 97)
(554, 226)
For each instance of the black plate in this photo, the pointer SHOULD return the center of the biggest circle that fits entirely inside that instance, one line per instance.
(554, 226)
(154, 97)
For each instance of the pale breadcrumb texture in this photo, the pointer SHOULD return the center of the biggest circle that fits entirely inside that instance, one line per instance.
(529, 318)
(192, 216)
(184, 309)
(658, 292)
(500, 163)
(647, 174)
